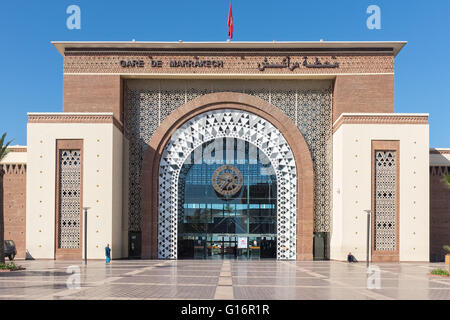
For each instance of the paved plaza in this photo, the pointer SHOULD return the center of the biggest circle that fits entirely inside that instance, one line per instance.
(221, 279)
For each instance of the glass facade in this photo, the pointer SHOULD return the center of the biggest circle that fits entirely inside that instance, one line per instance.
(227, 202)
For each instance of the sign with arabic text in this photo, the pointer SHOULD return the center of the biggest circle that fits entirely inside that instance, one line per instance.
(286, 63)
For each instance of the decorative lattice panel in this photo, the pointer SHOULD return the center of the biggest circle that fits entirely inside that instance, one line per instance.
(385, 201)
(307, 103)
(232, 124)
(69, 199)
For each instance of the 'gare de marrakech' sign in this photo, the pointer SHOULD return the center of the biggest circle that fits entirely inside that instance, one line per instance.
(286, 63)
(195, 63)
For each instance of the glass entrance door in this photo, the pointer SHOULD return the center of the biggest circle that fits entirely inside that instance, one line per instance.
(227, 202)
(268, 247)
(229, 248)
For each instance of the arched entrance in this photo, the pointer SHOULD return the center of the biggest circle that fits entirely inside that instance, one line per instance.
(227, 123)
(160, 230)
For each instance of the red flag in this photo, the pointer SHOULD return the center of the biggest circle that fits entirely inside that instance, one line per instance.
(230, 23)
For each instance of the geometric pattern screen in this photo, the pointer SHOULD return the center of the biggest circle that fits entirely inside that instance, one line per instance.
(227, 124)
(385, 201)
(308, 103)
(69, 199)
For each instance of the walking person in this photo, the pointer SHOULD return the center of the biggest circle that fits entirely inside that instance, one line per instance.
(108, 253)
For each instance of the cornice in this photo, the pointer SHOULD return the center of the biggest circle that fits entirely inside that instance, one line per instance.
(379, 119)
(439, 151)
(74, 118)
(17, 149)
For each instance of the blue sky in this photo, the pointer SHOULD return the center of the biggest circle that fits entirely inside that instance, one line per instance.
(31, 69)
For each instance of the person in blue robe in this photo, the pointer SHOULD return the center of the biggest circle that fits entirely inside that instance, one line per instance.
(108, 253)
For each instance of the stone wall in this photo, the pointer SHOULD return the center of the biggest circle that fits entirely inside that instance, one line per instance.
(14, 190)
(439, 212)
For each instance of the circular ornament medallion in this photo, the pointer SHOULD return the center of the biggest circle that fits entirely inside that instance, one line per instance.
(227, 180)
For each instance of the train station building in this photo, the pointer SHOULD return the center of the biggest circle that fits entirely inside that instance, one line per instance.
(242, 150)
